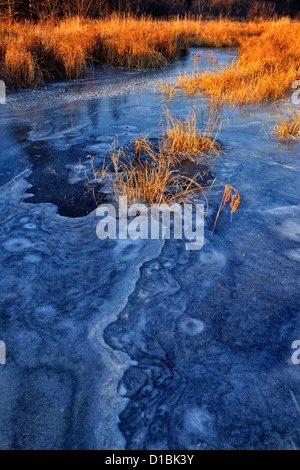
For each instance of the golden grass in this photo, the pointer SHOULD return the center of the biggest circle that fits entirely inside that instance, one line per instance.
(156, 179)
(19, 67)
(70, 55)
(286, 121)
(30, 53)
(153, 173)
(231, 197)
(153, 180)
(267, 66)
(167, 88)
(182, 138)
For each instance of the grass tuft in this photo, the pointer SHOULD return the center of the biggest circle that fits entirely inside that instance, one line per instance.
(286, 121)
(19, 68)
(153, 173)
(184, 139)
(153, 180)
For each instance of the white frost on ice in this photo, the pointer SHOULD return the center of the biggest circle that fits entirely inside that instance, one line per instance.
(197, 420)
(294, 255)
(290, 229)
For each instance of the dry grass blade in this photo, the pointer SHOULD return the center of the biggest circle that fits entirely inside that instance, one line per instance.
(231, 197)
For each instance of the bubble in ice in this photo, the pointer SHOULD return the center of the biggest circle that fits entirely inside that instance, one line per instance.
(168, 265)
(17, 244)
(32, 259)
(122, 390)
(126, 128)
(143, 295)
(191, 326)
(30, 226)
(45, 313)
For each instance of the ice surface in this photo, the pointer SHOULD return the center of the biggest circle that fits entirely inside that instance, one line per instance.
(142, 344)
(58, 290)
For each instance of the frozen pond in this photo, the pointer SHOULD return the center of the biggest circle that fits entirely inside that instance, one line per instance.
(142, 344)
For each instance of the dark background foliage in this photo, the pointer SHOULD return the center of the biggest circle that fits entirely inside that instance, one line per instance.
(38, 9)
